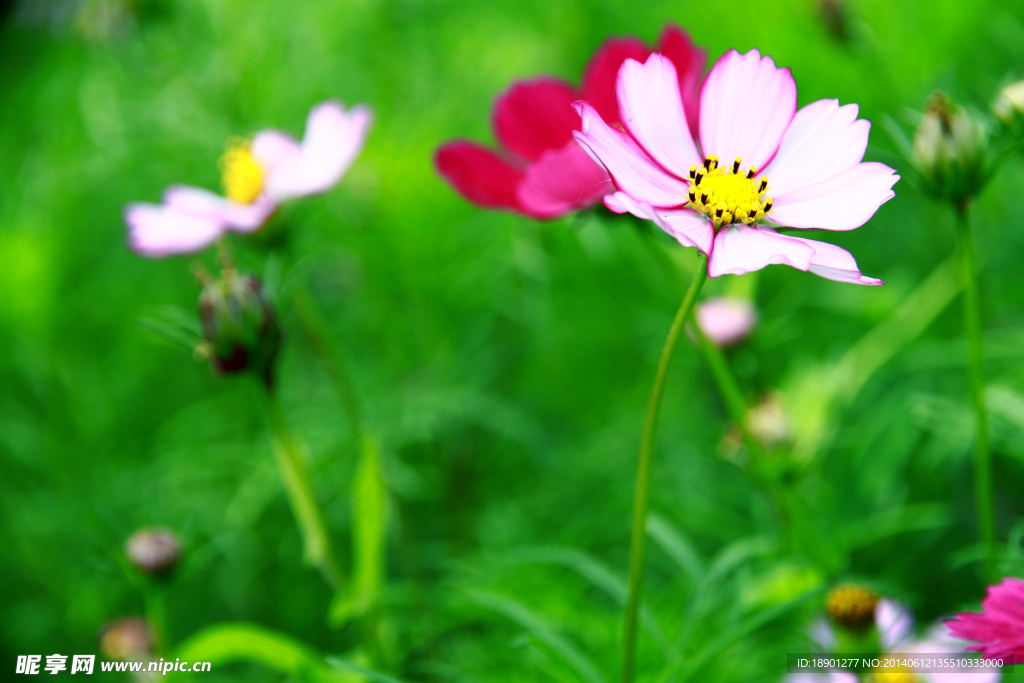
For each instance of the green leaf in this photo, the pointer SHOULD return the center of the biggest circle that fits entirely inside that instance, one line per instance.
(369, 521)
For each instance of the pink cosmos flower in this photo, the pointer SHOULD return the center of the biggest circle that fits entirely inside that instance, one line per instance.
(1000, 626)
(544, 173)
(810, 160)
(257, 175)
(726, 321)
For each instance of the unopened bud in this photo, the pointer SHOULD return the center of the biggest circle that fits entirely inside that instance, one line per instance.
(153, 551)
(128, 638)
(949, 150)
(239, 325)
(726, 321)
(852, 606)
(1009, 106)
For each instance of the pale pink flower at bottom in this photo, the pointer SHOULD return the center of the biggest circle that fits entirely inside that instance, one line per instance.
(258, 175)
(726, 321)
(752, 141)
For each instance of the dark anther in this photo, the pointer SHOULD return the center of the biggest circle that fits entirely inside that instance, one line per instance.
(736, 165)
(764, 184)
(718, 212)
(704, 198)
(751, 173)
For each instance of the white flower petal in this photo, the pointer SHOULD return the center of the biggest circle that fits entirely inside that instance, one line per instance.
(742, 249)
(691, 229)
(201, 203)
(271, 148)
(631, 169)
(651, 108)
(333, 139)
(823, 140)
(894, 621)
(843, 202)
(835, 263)
(746, 104)
(156, 231)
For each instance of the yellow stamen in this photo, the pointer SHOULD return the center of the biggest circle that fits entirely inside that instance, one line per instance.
(726, 195)
(241, 175)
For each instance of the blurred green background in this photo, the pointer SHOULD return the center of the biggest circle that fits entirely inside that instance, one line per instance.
(504, 364)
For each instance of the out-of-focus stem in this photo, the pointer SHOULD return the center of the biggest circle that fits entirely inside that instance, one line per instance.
(983, 489)
(638, 540)
(156, 616)
(295, 475)
(319, 336)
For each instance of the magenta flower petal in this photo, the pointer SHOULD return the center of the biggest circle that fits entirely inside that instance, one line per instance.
(651, 107)
(535, 116)
(843, 202)
(479, 174)
(201, 203)
(630, 168)
(745, 106)
(823, 140)
(333, 139)
(740, 249)
(562, 180)
(601, 74)
(156, 231)
(999, 628)
(689, 61)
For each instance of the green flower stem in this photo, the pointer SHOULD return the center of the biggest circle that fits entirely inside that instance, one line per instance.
(156, 615)
(291, 460)
(319, 335)
(638, 540)
(983, 489)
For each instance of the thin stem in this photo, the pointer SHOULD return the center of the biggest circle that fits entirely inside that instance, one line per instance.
(156, 616)
(983, 489)
(292, 463)
(318, 332)
(638, 540)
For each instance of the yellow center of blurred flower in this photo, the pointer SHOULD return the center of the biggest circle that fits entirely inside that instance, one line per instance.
(895, 677)
(851, 605)
(241, 175)
(727, 194)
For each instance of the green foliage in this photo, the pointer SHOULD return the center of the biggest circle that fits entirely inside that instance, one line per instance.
(502, 365)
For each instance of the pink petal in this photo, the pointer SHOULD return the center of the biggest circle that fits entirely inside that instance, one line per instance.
(835, 263)
(535, 116)
(894, 621)
(632, 171)
(823, 141)
(1000, 627)
(691, 229)
(689, 62)
(726, 320)
(155, 231)
(561, 181)
(201, 203)
(742, 249)
(843, 202)
(746, 105)
(479, 175)
(600, 76)
(271, 148)
(333, 139)
(652, 109)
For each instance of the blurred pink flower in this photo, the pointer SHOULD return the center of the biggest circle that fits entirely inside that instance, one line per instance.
(999, 628)
(257, 175)
(747, 115)
(544, 173)
(726, 320)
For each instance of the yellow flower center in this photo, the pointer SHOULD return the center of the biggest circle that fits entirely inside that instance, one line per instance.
(851, 605)
(727, 195)
(895, 677)
(241, 175)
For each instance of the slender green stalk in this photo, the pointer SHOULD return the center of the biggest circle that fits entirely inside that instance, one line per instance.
(156, 616)
(983, 489)
(319, 335)
(291, 461)
(638, 540)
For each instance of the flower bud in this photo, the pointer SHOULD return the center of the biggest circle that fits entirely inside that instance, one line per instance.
(949, 150)
(852, 606)
(1009, 106)
(726, 321)
(239, 325)
(153, 551)
(768, 422)
(127, 638)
